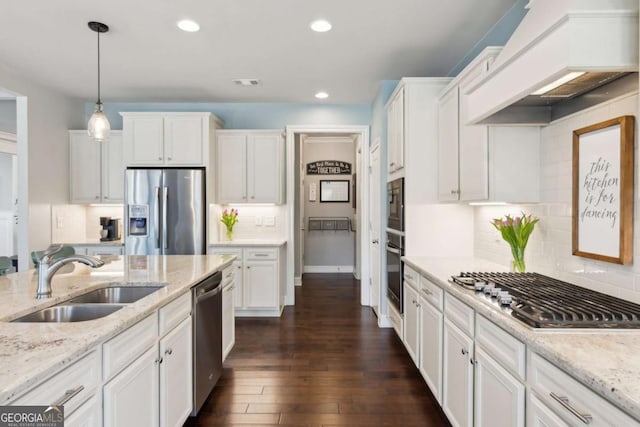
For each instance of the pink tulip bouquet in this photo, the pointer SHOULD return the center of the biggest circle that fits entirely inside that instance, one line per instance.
(229, 219)
(516, 232)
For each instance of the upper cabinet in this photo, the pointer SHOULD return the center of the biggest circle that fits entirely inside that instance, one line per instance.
(395, 133)
(477, 162)
(96, 169)
(250, 166)
(168, 139)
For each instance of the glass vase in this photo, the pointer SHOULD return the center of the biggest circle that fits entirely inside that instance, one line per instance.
(229, 234)
(517, 265)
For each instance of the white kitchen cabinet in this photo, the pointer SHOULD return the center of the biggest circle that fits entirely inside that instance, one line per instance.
(499, 398)
(176, 375)
(475, 162)
(168, 139)
(539, 414)
(89, 414)
(571, 401)
(228, 312)
(457, 376)
(104, 250)
(259, 279)
(131, 397)
(96, 169)
(395, 132)
(412, 322)
(431, 333)
(250, 166)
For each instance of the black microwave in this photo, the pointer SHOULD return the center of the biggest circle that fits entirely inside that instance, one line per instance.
(395, 197)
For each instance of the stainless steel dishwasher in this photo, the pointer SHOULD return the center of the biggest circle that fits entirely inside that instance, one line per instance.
(207, 338)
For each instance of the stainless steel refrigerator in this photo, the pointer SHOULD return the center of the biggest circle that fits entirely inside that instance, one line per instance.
(165, 211)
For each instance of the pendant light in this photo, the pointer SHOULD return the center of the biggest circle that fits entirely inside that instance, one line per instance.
(99, 127)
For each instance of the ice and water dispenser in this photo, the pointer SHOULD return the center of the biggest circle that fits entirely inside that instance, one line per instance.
(138, 220)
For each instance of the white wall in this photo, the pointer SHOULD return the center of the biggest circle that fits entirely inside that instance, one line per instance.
(251, 223)
(50, 114)
(549, 249)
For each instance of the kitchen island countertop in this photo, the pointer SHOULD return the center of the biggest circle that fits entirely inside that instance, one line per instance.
(606, 361)
(31, 352)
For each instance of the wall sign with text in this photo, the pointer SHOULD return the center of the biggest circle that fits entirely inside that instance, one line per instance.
(603, 158)
(329, 167)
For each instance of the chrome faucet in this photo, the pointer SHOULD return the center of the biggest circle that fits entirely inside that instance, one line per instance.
(46, 269)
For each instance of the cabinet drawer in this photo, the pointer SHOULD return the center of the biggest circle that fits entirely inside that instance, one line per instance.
(87, 415)
(432, 293)
(76, 383)
(571, 400)
(121, 350)
(228, 274)
(503, 347)
(459, 314)
(260, 254)
(173, 313)
(224, 250)
(411, 276)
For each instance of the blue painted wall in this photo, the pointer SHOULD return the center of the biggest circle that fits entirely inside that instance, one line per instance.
(497, 35)
(253, 115)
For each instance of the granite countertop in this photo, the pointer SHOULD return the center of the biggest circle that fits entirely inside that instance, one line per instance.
(92, 242)
(30, 352)
(606, 361)
(251, 242)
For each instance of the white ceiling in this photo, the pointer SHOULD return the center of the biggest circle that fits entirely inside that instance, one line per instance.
(146, 58)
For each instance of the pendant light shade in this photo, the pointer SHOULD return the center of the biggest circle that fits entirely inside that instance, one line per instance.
(98, 127)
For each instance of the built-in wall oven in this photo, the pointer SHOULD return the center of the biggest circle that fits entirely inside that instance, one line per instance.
(395, 241)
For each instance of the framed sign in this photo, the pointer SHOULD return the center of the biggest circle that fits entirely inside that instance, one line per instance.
(329, 167)
(603, 159)
(336, 191)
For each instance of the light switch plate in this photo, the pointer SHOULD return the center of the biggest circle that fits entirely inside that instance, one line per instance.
(269, 221)
(258, 221)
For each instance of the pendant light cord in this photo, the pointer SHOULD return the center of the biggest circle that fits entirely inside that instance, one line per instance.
(99, 102)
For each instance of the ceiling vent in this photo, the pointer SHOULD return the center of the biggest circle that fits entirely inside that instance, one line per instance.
(246, 82)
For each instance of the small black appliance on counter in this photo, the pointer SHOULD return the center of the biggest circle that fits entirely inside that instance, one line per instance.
(110, 229)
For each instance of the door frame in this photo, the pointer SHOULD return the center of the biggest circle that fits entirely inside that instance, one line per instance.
(290, 169)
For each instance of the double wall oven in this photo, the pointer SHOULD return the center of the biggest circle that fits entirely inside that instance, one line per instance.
(395, 241)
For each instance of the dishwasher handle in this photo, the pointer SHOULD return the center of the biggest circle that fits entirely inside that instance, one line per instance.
(208, 294)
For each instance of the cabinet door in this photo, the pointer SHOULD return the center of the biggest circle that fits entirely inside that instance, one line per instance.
(457, 387)
(238, 291)
(431, 320)
(232, 168)
(498, 397)
(228, 319)
(448, 184)
(396, 148)
(264, 168)
(144, 140)
(113, 169)
(184, 138)
(176, 375)
(261, 284)
(89, 414)
(84, 168)
(131, 397)
(411, 325)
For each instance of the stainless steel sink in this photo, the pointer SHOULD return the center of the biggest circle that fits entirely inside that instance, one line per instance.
(114, 295)
(70, 313)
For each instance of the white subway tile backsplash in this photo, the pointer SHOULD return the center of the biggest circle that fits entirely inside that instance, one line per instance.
(550, 250)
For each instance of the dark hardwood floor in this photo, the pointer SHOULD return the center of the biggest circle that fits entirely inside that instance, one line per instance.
(324, 363)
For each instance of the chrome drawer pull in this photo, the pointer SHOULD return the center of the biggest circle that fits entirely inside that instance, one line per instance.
(427, 291)
(260, 254)
(564, 401)
(68, 395)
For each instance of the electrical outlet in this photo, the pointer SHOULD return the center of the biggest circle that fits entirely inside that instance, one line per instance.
(270, 221)
(258, 221)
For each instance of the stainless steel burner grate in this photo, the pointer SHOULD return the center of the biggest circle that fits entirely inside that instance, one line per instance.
(544, 302)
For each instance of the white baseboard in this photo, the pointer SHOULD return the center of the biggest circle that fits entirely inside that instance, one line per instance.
(384, 321)
(328, 268)
(297, 281)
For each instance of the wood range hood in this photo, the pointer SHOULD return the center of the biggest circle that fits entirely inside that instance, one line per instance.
(590, 44)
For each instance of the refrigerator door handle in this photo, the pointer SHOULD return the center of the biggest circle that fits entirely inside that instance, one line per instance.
(165, 199)
(157, 196)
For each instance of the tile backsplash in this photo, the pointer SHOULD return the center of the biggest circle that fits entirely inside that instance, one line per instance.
(254, 222)
(549, 248)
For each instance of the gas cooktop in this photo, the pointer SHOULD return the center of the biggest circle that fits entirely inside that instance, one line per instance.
(544, 302)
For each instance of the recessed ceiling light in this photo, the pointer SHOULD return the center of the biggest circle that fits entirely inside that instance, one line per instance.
(321, 26)
(322, 95)
(188, 25)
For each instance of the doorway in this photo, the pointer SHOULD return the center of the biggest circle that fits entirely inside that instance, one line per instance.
(300, 191)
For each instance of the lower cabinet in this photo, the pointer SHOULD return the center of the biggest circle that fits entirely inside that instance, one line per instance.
(411, 322)
(431, 321)
(457, 376)
(259, 279)
(228, 311)
(96, 250)
(131, 397)
(176, 375)
(87, 415)
(539, 415)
